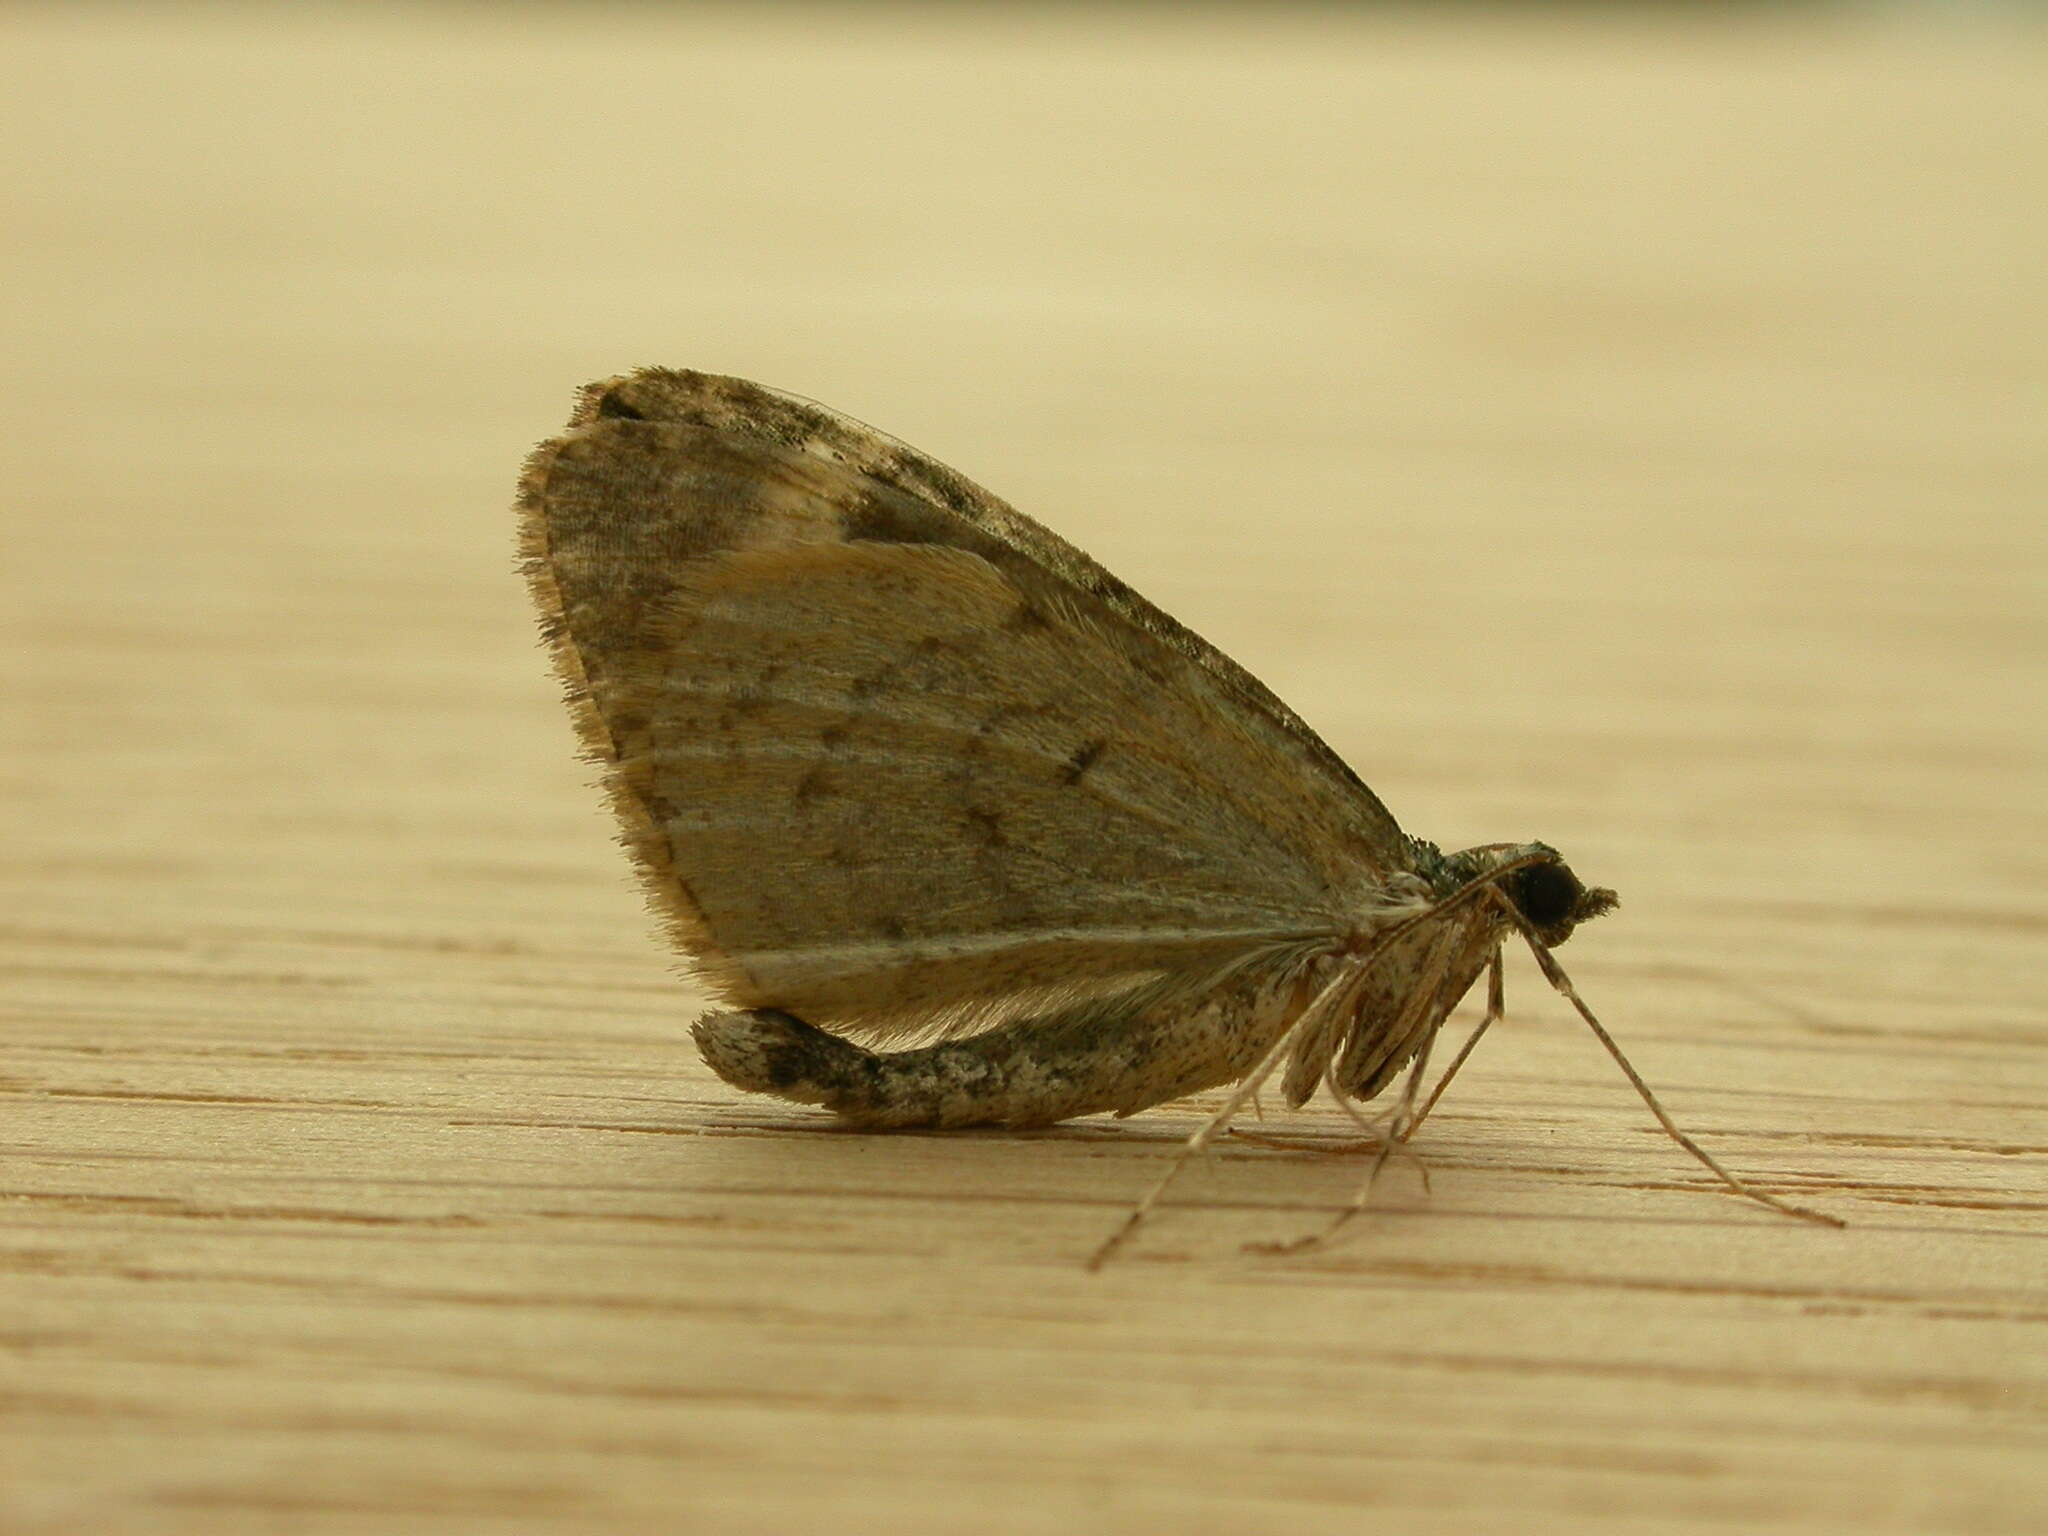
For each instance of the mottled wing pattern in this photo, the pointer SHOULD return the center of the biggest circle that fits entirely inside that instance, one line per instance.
(889, 754)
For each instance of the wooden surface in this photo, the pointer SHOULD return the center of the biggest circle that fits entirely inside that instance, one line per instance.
(1625, 433)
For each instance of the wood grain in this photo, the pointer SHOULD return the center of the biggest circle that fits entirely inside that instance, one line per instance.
(1627, 433)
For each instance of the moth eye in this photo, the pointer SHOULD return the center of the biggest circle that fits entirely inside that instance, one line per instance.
(1545, 894)
(615, 406)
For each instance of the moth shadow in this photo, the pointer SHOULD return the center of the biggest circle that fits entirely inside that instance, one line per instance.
(980, 1185)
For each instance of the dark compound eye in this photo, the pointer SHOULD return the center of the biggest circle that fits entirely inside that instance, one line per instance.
(1545, 894)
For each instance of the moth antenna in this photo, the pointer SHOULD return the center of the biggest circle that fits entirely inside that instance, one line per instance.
(1496, 1008)
(1554, 974)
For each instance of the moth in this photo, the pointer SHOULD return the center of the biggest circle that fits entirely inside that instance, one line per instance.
(959, 829)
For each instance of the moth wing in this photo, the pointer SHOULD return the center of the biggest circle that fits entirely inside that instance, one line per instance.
(890, 762)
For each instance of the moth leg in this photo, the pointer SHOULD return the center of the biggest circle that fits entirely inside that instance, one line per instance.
(1400, 1124)
(1337, 991)
(1375, 1131)
(1496, 1010)
(1397, 1137)
(1396, 1130)
(1032, 1072)
(1391, 1131)
(1554, 974)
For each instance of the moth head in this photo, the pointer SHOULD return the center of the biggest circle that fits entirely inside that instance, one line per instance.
(1550, 898)
(1536, 882)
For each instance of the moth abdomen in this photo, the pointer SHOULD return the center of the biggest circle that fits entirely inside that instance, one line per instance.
(1113, 1055)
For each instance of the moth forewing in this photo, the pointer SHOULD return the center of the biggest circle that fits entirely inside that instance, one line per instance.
(886, 772)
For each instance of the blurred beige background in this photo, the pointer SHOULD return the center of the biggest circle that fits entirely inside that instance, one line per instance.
(1622, 429)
